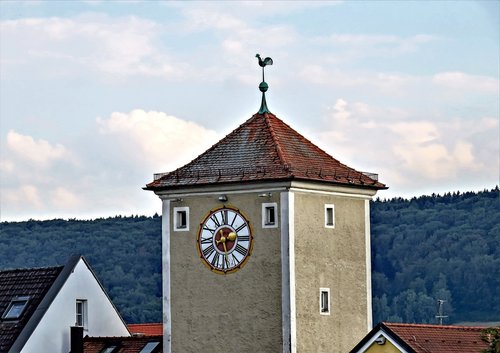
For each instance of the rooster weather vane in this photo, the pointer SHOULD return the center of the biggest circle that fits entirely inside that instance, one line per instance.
(263, 85)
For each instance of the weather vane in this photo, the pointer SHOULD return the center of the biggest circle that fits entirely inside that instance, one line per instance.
(263, 85)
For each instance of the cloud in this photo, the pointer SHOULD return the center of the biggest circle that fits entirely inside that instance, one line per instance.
(122, 47)
(25, 195)
(157, 139)
(39, 152)
(464, 82)
(407, 151)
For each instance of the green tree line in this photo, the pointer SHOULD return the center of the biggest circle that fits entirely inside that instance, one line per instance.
(423, 249)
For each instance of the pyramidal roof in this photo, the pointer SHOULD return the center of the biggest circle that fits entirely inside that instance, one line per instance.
(263, 148)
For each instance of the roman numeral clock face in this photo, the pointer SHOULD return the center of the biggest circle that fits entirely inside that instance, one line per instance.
(225, 240)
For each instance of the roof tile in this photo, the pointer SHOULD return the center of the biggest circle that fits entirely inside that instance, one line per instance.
(439, 339)
(264, 148)
(33, 283)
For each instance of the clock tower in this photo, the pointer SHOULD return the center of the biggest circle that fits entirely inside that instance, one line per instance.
(266, 245)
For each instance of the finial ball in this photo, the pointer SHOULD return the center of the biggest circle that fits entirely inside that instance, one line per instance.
(263, 87)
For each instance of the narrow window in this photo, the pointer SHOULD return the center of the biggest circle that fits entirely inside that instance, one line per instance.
(324, 301)
(329, 216)
(81, 313)
(181, 219)
(15, 308)
(110, 349)
(269, 215)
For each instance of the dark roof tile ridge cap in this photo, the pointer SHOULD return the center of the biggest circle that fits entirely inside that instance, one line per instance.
(30, 269)
(276, 139)
(460, 327)
(247, 122)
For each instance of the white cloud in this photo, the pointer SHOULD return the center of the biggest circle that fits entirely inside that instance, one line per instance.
(114, 46)
(39, 152)
(64, 199)
(26, 196)
(406, 151)
(157, 139)
(465, 82)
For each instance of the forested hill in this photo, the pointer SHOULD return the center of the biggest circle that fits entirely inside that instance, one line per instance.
(423, 249)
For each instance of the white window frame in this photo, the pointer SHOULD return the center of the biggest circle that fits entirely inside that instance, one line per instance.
(177, 226)
(265, 207)
(83, 322)
(322, 292)
(328, 207)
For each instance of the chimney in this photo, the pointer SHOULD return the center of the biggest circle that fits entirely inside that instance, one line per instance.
(76, 338)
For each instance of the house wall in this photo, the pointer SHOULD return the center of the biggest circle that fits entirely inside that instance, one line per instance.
(53, 331)
(387, 347)
(237, 312)
(336, 259)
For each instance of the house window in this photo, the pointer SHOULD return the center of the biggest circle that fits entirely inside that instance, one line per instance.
(15, 308)
(110, 349)
(329, 216)
(324, 301)
(269, 215)
(181, 219)
(150, 347)
(81, 313)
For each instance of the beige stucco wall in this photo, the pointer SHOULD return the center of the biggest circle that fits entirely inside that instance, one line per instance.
(335, 259)
(238, 312)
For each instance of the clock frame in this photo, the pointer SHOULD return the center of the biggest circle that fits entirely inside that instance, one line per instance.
(225, 240)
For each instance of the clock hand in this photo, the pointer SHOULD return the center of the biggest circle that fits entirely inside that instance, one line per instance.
(223, 241)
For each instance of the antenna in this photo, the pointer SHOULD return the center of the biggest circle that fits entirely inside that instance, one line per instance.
(440, 315)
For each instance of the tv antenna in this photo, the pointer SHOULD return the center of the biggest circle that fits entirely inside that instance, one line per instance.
(440, 312)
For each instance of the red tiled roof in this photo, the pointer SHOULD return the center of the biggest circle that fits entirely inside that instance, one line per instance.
(263, 148)
(146, 329)
(124, 344)
(439, 339)
(33, 283)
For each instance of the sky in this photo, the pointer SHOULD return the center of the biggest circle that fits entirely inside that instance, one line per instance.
(96, 96)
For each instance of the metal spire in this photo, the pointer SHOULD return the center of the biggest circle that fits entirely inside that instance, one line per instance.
(263, 87)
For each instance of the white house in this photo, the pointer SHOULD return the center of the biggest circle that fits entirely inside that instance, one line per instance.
(38, 307)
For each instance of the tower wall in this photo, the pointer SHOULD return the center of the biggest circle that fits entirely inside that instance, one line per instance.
(334, 258)
(237, 312)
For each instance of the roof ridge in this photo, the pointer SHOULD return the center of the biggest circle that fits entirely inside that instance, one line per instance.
(30, 269)
(403, 324)
(274, 136)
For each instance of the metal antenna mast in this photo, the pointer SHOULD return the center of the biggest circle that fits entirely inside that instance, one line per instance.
(440, 315)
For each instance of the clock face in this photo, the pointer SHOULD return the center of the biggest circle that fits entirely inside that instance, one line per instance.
(224, 240)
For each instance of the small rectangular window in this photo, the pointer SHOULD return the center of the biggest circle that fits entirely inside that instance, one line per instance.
(324, 301)
(270, 215)
(81, 313)
(15, 308)
(329, 216)
(181, 219)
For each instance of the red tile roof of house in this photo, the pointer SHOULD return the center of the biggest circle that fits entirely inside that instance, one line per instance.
(149, 329)
(423, 338)
(264, 148)
(132, 344)
(439, 339)
(33, 283)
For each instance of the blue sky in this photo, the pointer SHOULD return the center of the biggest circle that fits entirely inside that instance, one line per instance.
(96, 96)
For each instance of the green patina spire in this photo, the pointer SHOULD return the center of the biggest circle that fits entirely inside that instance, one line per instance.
(263, 87)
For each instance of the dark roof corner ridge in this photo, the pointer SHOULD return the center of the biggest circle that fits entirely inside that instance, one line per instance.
(275, 137)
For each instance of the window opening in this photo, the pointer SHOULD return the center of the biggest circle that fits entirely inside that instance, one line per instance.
(181, 218)
(269, 215)
(149, 347)
(329, 216)
(81, 313)
(110, 349)
(324, 301)
(16, 308)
